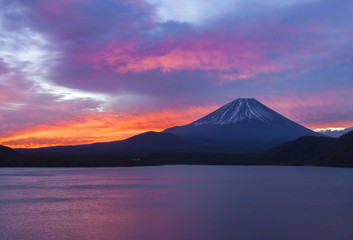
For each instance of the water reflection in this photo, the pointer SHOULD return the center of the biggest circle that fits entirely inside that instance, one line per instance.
(177, 202)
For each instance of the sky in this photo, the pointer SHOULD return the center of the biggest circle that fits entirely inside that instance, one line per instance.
(83, 71)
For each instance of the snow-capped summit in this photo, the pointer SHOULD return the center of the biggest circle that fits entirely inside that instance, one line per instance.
(244, 124)
(241, 109)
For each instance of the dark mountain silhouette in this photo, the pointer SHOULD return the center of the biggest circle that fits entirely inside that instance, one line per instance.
(225, 136)
(7, 152)
(244, 125)
(311, 150)
(147, 142)
(314, 151)
(7, 155)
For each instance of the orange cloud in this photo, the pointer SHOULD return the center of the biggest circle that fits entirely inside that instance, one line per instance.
(101, 127)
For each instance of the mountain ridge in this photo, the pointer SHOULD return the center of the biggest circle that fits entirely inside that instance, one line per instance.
(314, 151)
(7, 152)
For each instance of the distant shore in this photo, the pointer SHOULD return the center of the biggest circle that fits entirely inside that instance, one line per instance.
(157, 160)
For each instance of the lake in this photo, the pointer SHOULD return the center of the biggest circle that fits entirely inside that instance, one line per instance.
(177, 203)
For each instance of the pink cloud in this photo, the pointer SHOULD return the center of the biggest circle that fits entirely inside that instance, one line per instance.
(315, 110)
(58, 9)
(227, 57)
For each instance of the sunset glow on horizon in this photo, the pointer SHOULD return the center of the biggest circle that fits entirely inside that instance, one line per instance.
(83, 71)
(101, 127)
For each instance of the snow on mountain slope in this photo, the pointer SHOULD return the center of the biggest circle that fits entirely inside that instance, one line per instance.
(242, 109)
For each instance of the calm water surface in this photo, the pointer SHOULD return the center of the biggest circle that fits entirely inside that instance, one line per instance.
(177, 203)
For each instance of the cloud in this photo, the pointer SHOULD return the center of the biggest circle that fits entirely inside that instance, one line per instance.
(315, 110)
(201, 12)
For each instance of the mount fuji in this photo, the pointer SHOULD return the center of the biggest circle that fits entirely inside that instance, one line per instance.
(244, 125)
